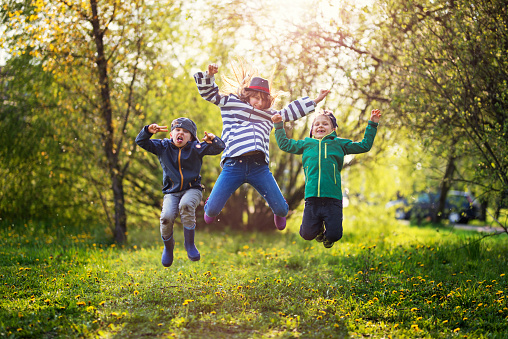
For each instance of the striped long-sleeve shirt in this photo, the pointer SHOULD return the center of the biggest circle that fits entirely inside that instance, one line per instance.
(244, 128)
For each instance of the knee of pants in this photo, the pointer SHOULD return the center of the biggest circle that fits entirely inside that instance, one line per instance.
(168, 219)
(307, 235)
(188, 215)
(211, 211)
(333, 236)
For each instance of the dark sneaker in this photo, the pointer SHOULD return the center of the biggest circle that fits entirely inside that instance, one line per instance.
(320, 237)
(327, 243)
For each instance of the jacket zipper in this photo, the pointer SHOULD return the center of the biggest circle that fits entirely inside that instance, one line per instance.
(334, 176)
(180, 167)
(319, 169)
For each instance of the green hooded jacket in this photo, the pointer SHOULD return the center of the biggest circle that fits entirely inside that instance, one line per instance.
(323, 158)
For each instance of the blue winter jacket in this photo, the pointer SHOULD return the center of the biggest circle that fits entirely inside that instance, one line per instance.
(180, 166)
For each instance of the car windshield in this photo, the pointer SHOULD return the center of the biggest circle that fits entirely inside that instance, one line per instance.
(458, 200)
(425, 198)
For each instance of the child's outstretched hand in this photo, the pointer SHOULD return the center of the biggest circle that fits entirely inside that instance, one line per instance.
(208, 137)
(212, 69)
(154, 128)
(375, 115)
(276, 118)
(322, 94)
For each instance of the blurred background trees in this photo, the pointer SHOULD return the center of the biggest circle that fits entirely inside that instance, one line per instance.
(81, 78)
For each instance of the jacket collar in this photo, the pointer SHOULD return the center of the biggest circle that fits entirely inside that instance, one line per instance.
(331, 135)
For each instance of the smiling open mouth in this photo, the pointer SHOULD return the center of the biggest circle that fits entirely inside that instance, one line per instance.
(179, 139)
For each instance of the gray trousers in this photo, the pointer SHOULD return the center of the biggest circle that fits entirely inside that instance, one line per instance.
(185, 203)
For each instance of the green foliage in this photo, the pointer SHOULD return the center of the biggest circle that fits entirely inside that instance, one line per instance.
(40, 178)
(450, 84)
(382, 279)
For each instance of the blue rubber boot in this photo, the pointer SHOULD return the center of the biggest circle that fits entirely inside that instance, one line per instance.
(192, 251)
(167, 252)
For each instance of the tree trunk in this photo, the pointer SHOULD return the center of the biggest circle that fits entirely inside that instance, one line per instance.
(444, 188)
(120, 214)
(107, 114)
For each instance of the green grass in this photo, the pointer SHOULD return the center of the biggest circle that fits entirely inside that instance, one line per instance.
(383, 279)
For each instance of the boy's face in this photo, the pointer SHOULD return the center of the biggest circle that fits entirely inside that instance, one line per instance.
(180, 136)
(322, 126)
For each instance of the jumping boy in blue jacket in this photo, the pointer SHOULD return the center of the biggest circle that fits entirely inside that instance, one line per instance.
(181, 158)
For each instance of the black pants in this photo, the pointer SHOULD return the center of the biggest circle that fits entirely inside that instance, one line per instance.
(318, 211)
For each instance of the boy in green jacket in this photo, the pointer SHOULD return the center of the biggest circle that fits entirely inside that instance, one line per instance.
(323, 158)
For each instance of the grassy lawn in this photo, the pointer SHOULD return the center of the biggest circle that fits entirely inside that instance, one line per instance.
(383, 279)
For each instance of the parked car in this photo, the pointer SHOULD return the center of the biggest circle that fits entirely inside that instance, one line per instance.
(460, 207)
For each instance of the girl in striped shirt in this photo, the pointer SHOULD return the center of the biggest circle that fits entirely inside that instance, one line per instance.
(246, 117)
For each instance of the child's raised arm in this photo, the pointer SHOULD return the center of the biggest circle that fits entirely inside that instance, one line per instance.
(322, 94)
(276, 118)
(375, 115)
(212, 70)
(154, 128)
(208, 137)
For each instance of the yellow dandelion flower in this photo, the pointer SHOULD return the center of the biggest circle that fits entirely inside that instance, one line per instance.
(456, 330)
(102, 303)
(136, 292)
(445, 321)
(160, 324)
(114, 314)
(81, 303)
(213, 312)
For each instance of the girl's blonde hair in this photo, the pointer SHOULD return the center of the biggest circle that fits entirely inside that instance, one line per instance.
(241, 75)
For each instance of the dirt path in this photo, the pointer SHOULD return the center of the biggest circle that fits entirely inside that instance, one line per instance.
(484, 229)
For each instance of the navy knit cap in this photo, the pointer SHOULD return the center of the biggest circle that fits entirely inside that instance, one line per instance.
(187, 124)
(330, 115)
